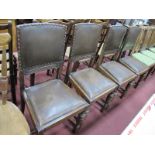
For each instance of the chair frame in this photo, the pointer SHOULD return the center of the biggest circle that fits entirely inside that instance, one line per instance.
(81, 114)
(12, 61)
(75, 63)
(123, 53)
(143, 44)
(115, 57)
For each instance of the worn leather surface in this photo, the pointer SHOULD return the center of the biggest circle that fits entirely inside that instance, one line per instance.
(51, 102)
(135, 65)
(91, 83)
(149, 54)
(114, 39)
(12, 121)
(144, 59)
(152, 49)
(40, 45)
(85, 39)
(117, 72)
(131, 37)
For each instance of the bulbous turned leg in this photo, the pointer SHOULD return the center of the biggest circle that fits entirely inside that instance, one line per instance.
(48, 72)
(108, 100)
(79, 120)
(32, 79)
(153, 70)
(127, 88)
(22, 104)
(148, 73)
(139, 80)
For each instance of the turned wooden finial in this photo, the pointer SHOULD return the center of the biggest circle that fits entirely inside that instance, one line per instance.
(4, 40)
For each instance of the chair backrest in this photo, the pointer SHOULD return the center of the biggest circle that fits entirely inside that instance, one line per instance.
(4, 40)
(147, 38)
(114, 39)
(151, 42)
(130, 38)
(85, 39)
(140, 39)
(153, 37)
(41, 46)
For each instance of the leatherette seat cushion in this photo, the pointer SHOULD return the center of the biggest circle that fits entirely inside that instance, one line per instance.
(149, 54)
(51, 102)
(152, 49)
(117, 72)
(91, 83)
(144, 59)
(135, 65)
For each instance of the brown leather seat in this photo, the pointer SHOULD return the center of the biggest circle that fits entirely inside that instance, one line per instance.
(117, 72)
(51, 102)
(135, 65)
(91, 84)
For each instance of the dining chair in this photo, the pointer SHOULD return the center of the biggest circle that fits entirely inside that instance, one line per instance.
(138, 67)
(141, 54)
(88, 82)
(113, 69)
(41, 47)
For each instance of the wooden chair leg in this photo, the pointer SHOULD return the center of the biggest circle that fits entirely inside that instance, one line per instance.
(67, 72)
(108, 100)
(22, 104)
(34, 132)
(149, 72)
(32, 79)
(96, 59)
(40, 133)
(129, 52)
(48, 72)
(126, 89)
(12, 79)
(69, 84)
(75, 66)
(13, 89)
(139, 80)
(153, 70)
(15, 68)
(79, 120)
(123, 54)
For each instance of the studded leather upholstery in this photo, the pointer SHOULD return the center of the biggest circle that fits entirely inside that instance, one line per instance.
(85, 39)
(41, 45)
(135, 65)
(117, 72)
(114, 39)
(91, 84)
(131, 37)
(51, 102)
